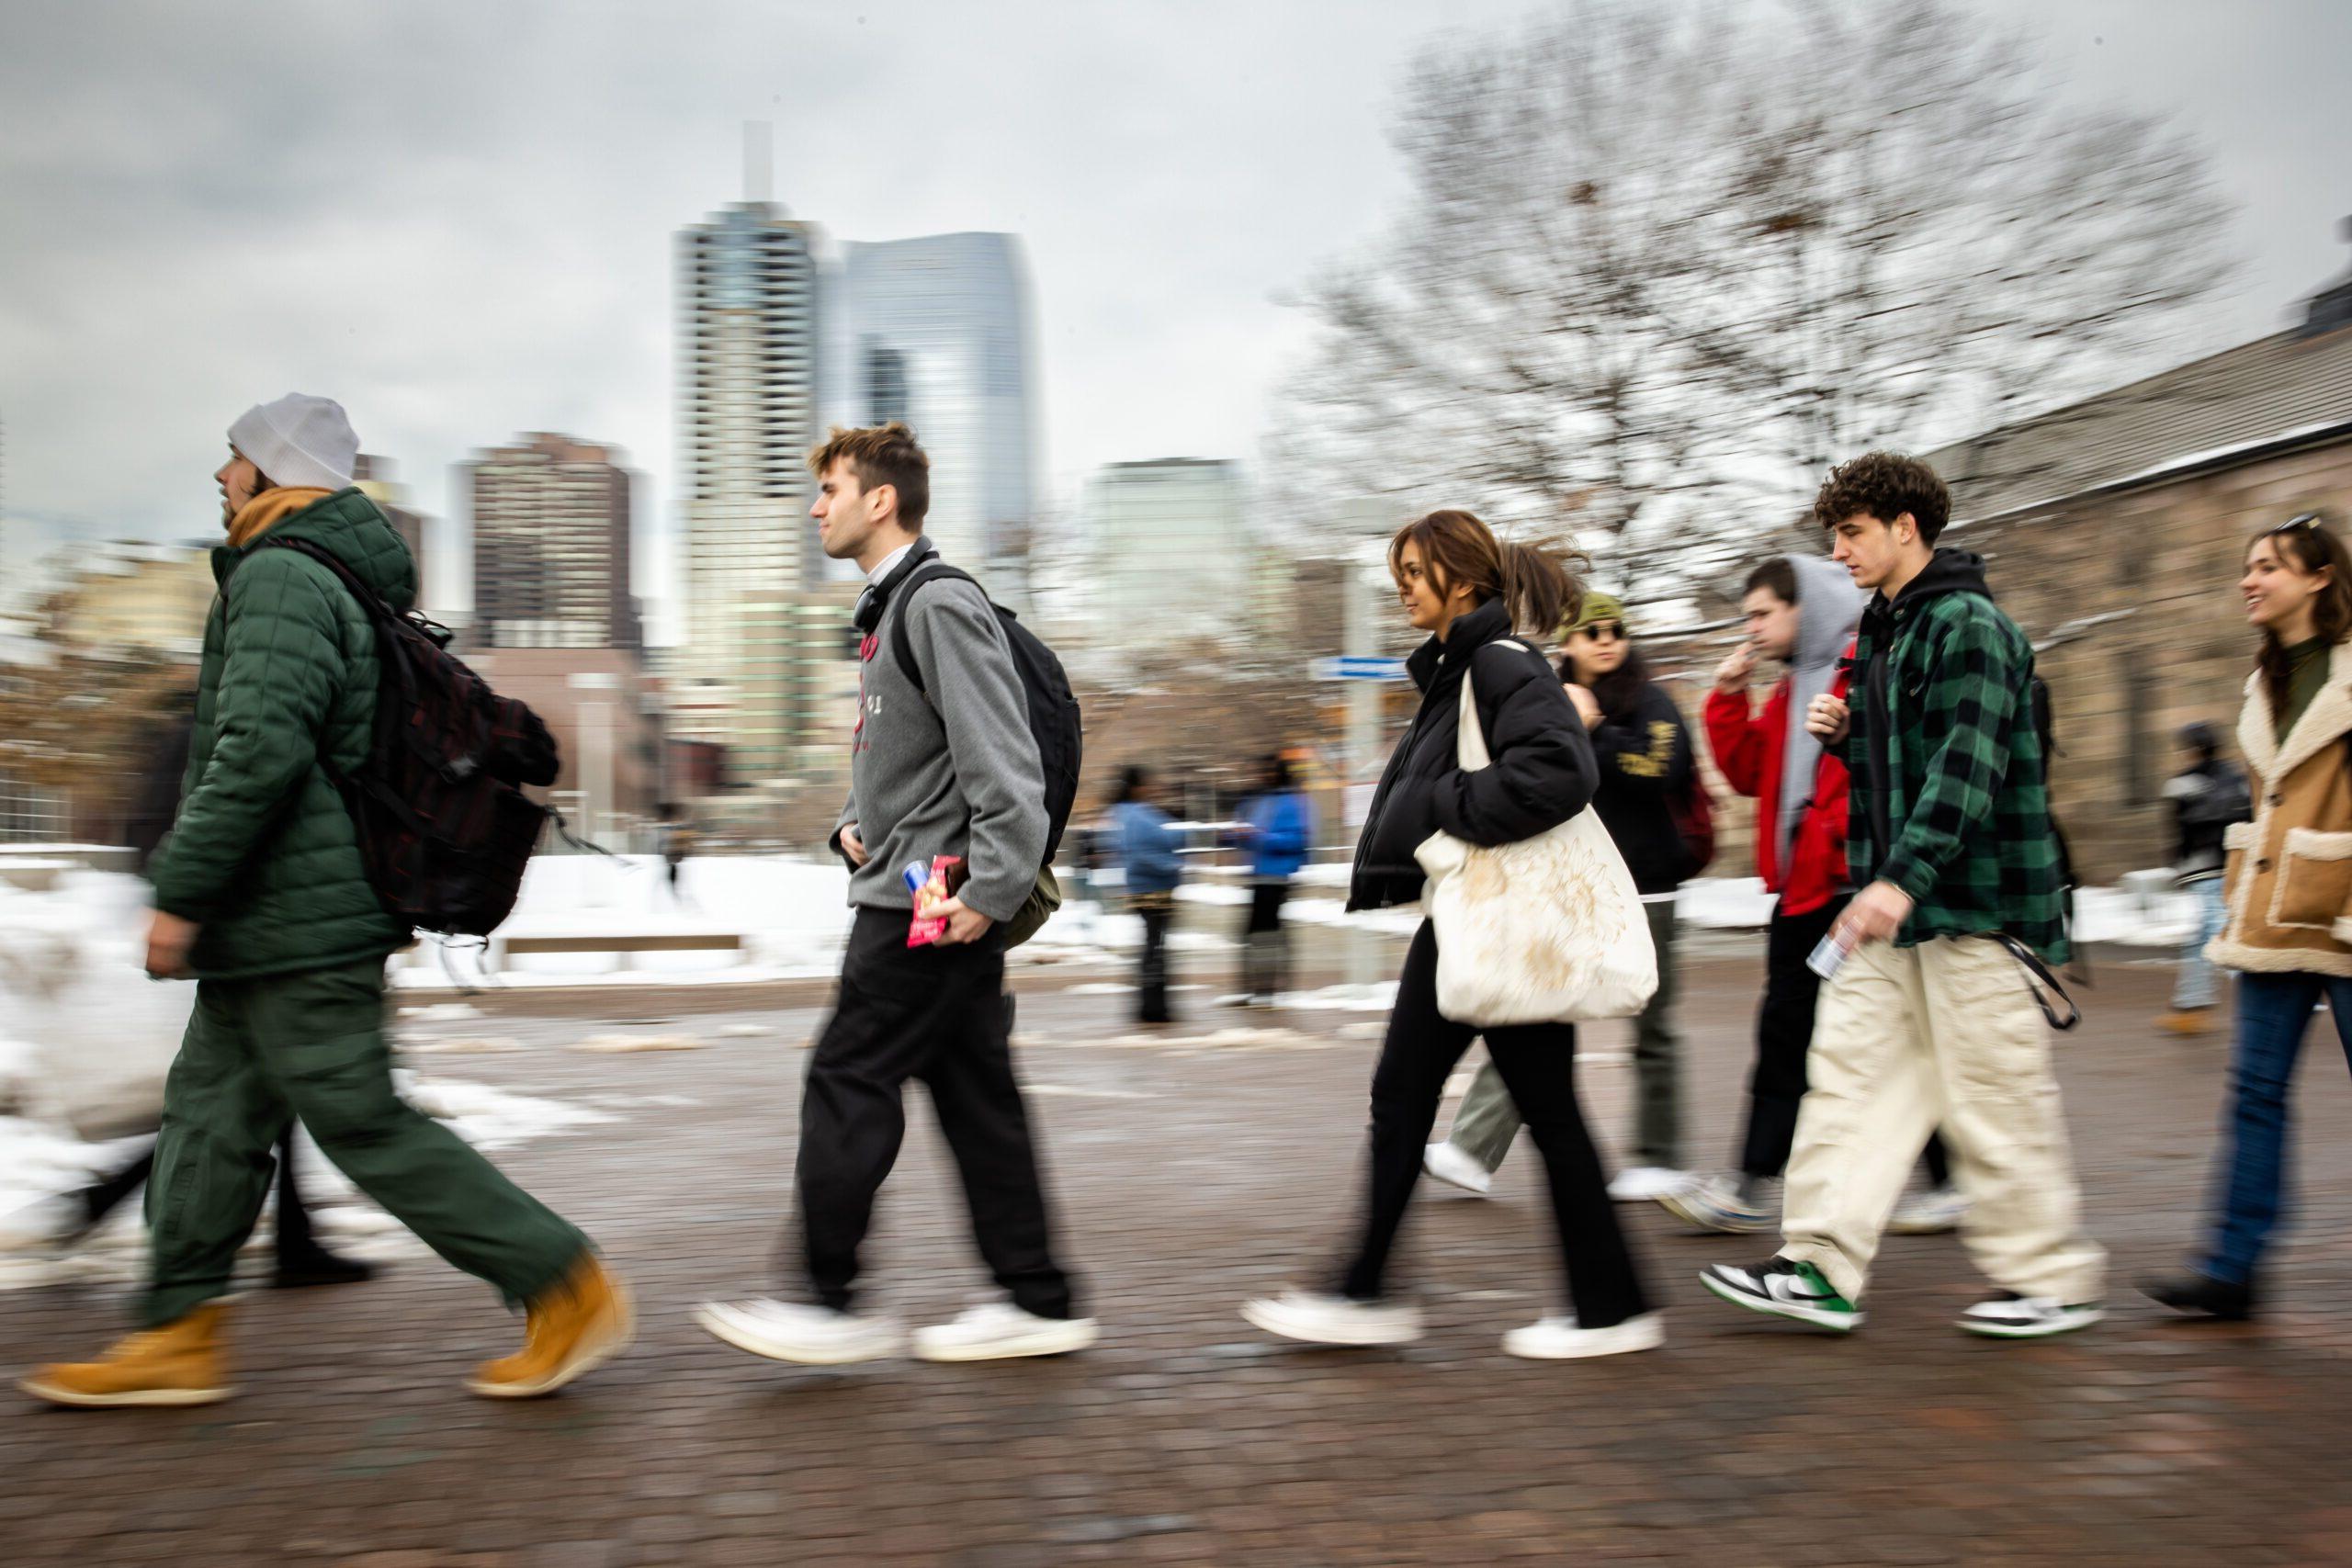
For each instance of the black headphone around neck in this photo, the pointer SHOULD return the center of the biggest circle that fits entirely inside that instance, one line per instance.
(868, 613)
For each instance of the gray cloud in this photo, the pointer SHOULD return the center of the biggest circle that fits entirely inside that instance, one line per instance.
(457, 217)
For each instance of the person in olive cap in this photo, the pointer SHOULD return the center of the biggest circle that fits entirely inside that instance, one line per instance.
(262, 896)
(2207, 798)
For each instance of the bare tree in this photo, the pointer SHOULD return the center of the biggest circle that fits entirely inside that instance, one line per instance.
(1662, 264)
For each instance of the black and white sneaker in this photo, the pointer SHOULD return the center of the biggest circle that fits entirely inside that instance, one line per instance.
(2009, 1315)
(1784, 1288)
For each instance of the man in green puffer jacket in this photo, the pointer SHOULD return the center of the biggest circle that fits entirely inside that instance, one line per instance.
(262, 896)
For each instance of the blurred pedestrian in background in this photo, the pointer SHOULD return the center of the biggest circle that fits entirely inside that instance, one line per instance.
(2289, 907)
(678, 841)
(262, 896)
(2207, 796)
(1470, 593)
(1643, 748)
(1149, 844)
(1278, 831)
(1800, 611)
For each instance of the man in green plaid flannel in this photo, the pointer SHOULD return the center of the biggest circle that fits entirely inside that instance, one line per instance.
(1932, 1015)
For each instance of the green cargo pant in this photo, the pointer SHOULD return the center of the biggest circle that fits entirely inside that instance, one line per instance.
(1487, 1121)
(313, 1046)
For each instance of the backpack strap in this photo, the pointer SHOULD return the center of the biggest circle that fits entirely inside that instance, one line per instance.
(369, 599)
(932, 570)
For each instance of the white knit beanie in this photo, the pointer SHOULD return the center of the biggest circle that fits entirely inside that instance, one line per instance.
(298, 440)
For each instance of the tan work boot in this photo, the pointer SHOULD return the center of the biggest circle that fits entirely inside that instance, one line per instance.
(576, 1325)
(2186, 1020)
(177, 1364)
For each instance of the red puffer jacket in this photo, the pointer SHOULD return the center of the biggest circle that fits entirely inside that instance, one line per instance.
(1749, 748)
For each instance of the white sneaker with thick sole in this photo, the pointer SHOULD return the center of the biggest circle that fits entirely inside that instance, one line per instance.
(2011, 1316)
(1334, 1320)
(812, 1336)
(1644, 1183)
(1717, 1205)
(1456, 1168)
(1930, 1213)
(1560, 1338)
(999, 1331)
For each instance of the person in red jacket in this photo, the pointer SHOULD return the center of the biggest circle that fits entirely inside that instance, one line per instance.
(1800, 611)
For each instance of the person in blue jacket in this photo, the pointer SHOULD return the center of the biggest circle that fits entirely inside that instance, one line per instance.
(1148, 845)
(1278, 830)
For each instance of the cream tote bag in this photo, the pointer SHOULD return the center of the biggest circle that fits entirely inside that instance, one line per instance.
(1549, 930)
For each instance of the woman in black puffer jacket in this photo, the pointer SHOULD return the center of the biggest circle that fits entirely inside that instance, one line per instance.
(1470, 593)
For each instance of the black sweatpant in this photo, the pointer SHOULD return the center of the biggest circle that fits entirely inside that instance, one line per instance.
(102, 1197)
(1538, 1066)
(940, 1014)
(1783, 1036)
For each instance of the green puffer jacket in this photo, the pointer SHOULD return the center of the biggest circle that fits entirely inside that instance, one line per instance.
(262, 853)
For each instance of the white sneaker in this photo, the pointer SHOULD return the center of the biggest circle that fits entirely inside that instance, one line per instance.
(999, 1331)
(1930, 1213)
(2012, 1316)
(812, 1336)
(1334, 1320)
(1644, 1183)
(1559, 1338)
(43, 1223)
(1456, 1168)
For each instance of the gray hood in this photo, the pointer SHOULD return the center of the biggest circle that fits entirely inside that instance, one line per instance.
(1828, 609)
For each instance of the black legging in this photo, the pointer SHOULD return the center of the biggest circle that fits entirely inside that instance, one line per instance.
(102, 1198)
(1538, 1066)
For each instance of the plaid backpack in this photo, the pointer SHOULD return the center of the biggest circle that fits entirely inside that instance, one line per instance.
(444, 831)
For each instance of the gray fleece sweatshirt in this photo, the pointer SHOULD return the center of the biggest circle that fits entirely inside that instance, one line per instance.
(954, 772)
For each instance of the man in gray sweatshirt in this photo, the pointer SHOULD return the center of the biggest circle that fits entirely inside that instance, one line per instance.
(948, 767)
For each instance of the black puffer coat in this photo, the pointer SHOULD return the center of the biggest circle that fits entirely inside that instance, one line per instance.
(1543, 770)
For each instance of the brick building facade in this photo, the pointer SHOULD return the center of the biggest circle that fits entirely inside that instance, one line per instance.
(2114, 531)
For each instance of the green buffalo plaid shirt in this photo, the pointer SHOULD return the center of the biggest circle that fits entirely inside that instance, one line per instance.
(1948, 801)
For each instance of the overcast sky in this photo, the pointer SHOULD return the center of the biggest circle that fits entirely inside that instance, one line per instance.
(457, 217)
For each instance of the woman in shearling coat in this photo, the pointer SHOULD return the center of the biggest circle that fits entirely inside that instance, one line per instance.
(2286, 890)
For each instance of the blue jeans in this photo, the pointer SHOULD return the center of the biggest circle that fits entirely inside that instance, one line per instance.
(2274, 1012)
(2197, 985)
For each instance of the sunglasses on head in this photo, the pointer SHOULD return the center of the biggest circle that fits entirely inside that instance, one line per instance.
(2302, 522)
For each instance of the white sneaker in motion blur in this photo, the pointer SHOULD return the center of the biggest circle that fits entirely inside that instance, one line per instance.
(1930, 1213)
(1319, 1319)
(1561, 1339)
(1456, 1168)
(999, 1331)
(1642, 1183)
(812, 1336)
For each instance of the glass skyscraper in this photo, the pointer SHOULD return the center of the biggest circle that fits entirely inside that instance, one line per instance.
(748, 359)
(937, 331)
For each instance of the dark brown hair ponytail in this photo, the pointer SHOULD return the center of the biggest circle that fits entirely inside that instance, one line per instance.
(1537, 587)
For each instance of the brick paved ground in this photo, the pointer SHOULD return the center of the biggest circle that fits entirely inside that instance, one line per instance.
(1191, 1177)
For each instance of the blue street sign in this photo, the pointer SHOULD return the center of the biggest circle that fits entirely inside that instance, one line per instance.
(1359, 667)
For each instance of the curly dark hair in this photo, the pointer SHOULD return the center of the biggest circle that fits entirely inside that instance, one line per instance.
(1885, 485)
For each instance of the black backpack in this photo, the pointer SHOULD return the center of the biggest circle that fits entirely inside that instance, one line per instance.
(444, 830)
(1053, 707)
